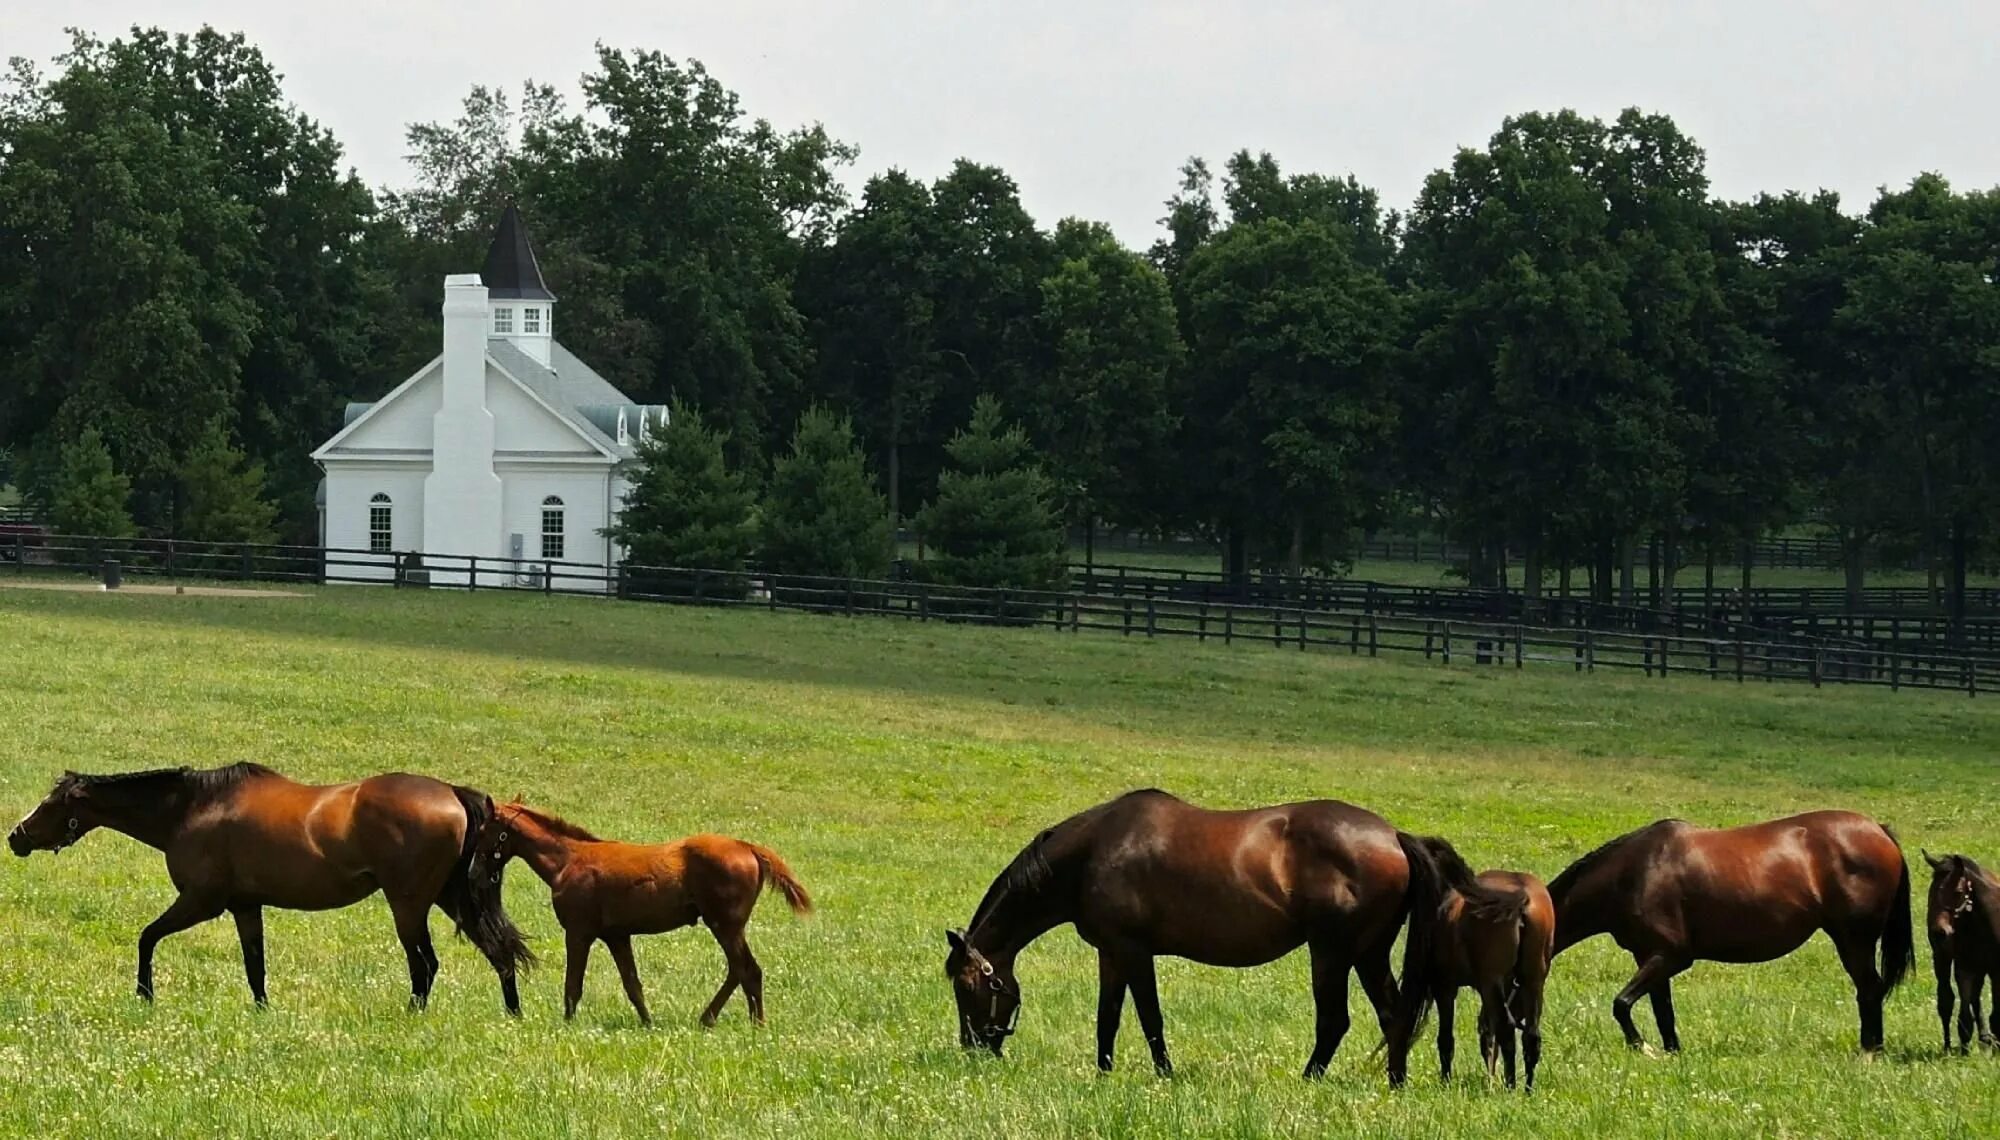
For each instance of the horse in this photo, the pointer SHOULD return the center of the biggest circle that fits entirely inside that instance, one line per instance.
(605, 891)
(1964, 925)
(241, 838)
(1503, 954)
(1671, 894)
(1147, 874)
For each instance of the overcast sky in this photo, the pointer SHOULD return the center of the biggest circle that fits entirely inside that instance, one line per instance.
(1092, 105)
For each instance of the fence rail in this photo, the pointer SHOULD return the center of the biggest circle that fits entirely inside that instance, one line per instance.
(1518, 639)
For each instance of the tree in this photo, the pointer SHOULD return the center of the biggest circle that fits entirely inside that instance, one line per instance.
(822, 514)
(686, 507)
(90, 496)
(222, 496)
(1102, 406)
(1562, 275)
(868, 296)
(1292, 343)
(994, 521)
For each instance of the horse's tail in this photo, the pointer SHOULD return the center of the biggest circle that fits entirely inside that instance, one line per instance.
(779, 877)
(1435, 869)
(473, 900)
(1898, 944)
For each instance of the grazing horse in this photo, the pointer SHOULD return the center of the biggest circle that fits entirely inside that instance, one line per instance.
(1147, 874)
(1671, 894)
(1964, 927)
(241, 838)
(1503, 954)
(607, 892)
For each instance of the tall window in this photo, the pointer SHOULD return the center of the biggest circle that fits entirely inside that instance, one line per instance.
(381, 524)
(552, 527)
(624, 431)
(503, 320)
(531, 320)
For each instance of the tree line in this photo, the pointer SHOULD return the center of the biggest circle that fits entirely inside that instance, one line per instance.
(1567, 350)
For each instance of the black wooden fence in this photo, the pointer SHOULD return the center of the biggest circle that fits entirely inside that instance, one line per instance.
(1515, 640)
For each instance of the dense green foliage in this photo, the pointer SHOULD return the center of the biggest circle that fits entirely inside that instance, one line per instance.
(223, 496)
(687, 506)
(1566, 350)
(821, 513)
(994, 521)
(898, 768)
(90, 497)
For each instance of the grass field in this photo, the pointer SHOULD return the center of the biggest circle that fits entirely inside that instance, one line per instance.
(898, 768)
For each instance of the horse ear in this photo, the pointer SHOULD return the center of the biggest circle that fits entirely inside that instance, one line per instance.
(956, 940)
(1936, 863)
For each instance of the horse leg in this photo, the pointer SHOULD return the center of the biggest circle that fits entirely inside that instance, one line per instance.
(1993, 1023)
(743, 971)
(1971, 983)
(1654, 971)
(1941, 968)
(1110, 1008)
(1330, 1021)
(1503, 1026)
(1663, 1016)
(185, 911)
(1378, 982)
(1490, 1028)
(620, 946)
(576, 958)
(1446, 1000)
(250, 934)
(1857, 953)
(1146, 1003)
(1527, 1012)
(413, 929)
(729, 983)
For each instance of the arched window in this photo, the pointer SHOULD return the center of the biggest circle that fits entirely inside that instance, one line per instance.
(624, 434)
(552, 527)
(381, 524)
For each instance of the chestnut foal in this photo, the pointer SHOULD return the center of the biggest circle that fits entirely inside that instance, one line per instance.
(608, 891)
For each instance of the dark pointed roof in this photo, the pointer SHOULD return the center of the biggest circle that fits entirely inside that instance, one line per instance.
(512, 273)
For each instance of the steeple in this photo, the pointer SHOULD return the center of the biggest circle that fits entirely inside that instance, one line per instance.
(523, 309)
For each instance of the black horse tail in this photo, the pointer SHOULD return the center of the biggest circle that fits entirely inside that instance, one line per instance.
(1436, 869)
(473, 900)
(1899, 953)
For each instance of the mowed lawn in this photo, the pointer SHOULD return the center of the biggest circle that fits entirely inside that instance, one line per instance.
(899, 767)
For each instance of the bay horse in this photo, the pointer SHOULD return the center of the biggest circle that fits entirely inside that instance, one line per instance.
(1502, 954)
(1147, 874)
(1964, 925)
(241, 838)
(605, 891)
(1671, 894)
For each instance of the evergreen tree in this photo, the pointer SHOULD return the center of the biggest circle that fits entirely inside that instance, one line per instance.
(91, 497)
(686, 507)
(223, 496)
(994, 521)
(822, 514)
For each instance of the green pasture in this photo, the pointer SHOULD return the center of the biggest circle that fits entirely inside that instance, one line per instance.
(898, 767)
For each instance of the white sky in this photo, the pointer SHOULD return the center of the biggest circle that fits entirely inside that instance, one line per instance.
(1093, 104)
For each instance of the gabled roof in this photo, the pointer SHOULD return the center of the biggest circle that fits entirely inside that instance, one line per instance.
(588, 403)
(511, 272)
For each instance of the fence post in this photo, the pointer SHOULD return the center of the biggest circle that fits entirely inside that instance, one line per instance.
(1589, 650)
(171, 561)
(472, 573)
(1520, 644)
(923, 601)
(397, 575)
(1201, 620)
(548, 577)
(1152, 617)
(1075, 612)
(622, 585)
(1373, 632)
(1125, 605)
(1228, 623)
(1816, 665)
(1447, 643)
(244, 559)
(700, 583)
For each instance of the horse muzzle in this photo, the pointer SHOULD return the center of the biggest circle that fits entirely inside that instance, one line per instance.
(17, 840)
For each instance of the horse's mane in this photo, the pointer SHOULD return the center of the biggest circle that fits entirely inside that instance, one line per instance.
(201, 781)
(1604, 853)
(554, 823)
(1026, 874)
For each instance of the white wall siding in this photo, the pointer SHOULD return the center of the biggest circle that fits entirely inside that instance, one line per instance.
(349, 489)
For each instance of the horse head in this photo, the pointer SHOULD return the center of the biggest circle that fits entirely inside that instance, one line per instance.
(1951, 891)
(62, 818)
(989, 999)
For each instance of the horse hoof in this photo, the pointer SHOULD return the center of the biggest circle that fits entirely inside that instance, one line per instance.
(1646, 1050)
(707, 1021)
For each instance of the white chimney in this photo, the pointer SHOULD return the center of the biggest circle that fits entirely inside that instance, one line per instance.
(462, 496)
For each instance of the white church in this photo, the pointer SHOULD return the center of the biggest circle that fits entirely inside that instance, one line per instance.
(504, 446)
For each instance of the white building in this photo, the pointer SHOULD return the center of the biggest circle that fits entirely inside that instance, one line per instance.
(505, 446)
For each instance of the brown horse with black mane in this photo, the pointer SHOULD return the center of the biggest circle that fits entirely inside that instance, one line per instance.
(1671, 894)
(1502, 954)
(604, 891)
(1147, 874)
(1964, 924)
(241, 838)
